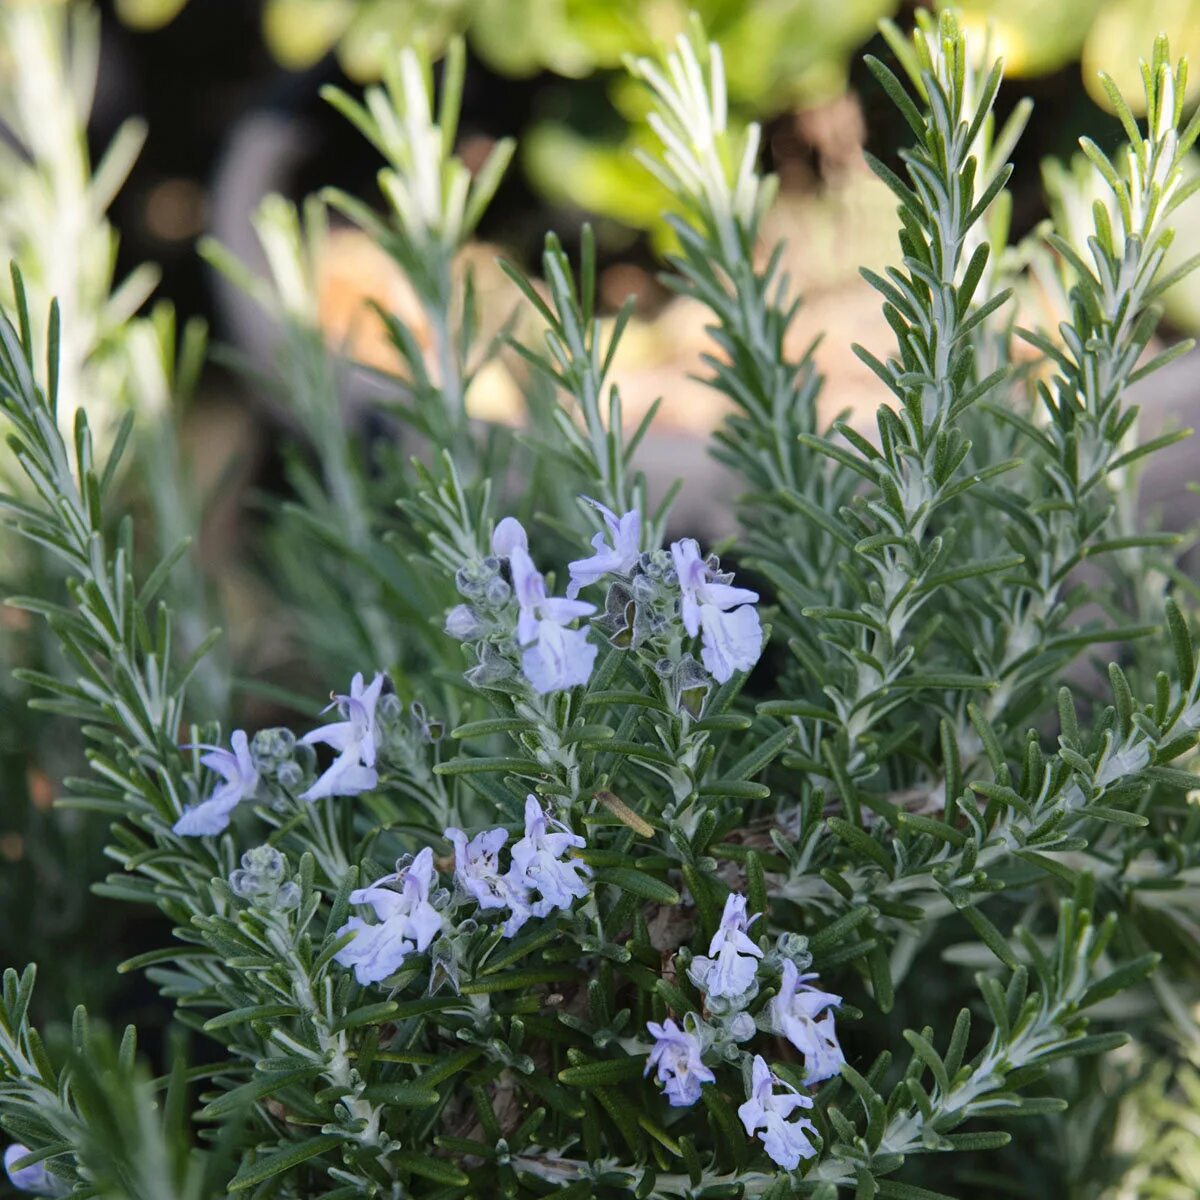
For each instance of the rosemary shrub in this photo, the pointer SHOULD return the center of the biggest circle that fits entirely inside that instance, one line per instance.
(612, 880)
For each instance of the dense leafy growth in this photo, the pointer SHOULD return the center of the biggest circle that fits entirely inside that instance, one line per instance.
(628, 907)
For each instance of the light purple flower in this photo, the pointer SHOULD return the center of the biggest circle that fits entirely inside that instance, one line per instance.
(35, 1178)
(477, 867)
(616, 559)
(731, 635)
(730, 641)
(375, 951)
(356, 740)
(730, 967)
(554, 657)
(407, 921)
(794, 1013)
(535, 608)
(509, 534)
(559, 659)
(677, 1057)
(239, 782)
(538, 865)
(769, 1115)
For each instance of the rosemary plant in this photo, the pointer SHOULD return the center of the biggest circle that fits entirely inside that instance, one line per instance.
(54, 227)
(614, 879)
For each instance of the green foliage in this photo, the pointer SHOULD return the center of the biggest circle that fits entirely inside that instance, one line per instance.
(54, 226)
(914, 761)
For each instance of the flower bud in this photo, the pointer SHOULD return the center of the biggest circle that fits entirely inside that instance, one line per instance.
(266, 862)
(468, 583)
(643, 588)
(498, 593)
(290, 776)
(463, 623)
(271, 745)
(260, 880)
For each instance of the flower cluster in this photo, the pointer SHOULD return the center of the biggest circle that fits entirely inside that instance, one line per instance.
(728, 975)
(411, 913)
(515, 624)
(278, 769)
(539, 880)
(655, 599)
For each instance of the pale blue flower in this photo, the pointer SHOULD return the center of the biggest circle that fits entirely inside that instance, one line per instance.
(356, 740)
(729, 641)
(508, 534)
(677, 1055)
(560, 658)
(770, 1115)
(731, 635)
(239, 782)
(375, 951)
(615, 559)
(535, 608)
(407, 921)
(477, 869)
(538, 865)
(554, 657)
(36, 1178)
(477, 864)
(794, 1012)
(729, 970)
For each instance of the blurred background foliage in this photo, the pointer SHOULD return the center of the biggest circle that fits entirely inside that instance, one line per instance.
(781, 56)
(130, 129)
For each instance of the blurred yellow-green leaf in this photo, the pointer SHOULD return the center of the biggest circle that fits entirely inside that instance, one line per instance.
(779, 55)
(573, 170)
(148, 14)
(777, 51)
(300, 32)
(1125, 30)
(522, 37)
(380, 25)
(1035, 37)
